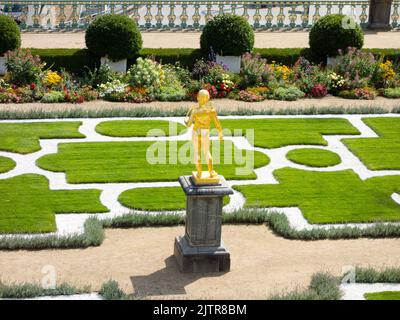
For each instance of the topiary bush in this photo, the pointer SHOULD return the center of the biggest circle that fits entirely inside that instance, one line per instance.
(115, 36)
(227, 34)
(10, 37)
(334, 32)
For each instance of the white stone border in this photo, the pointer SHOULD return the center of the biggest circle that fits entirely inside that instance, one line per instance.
(356, 291)
(69, 224)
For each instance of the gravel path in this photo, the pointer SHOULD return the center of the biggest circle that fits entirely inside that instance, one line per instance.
(221, 105)
(141, 260)
(191, 40)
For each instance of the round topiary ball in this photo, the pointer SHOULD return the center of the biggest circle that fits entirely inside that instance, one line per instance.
(10, 36)
(228, 35)
(115, 36)
(334, 32)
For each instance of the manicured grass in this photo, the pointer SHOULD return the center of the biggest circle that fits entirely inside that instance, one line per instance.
(381, 153)
(275, 133)
(328, 197)
(24, 137)
(156, 199)
(385, 295)
(28, 206)
(129, 161)
(6, 164)
(313, 157)
(139, 128)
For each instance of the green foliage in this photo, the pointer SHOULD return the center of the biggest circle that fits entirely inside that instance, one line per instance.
(29, 290)
(110, 290)
(382, 153)
(29, 206)
(333, 32)
(358, 94)
(290, 93)
(172, 89)
(6, 164)
(156, 199)
(115, 36)
(314, 157)
(53, 97)
(10, 37)
(227, 34)
(370, 275)
(356, 67)
(24, 137)
(146, 73)
(276, 133)
(254, 71)
(91, 161)
(93, 236)
(324, 197)
(23, 67)
(385, 295)
(76, 61)
(139, 128)
(392, 93)
(323, 286)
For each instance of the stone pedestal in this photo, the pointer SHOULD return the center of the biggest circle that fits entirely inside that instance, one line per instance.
(201, 248)
(379, 14)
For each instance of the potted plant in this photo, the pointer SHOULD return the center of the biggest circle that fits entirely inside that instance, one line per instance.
(331, 33)
(228, 36)
(10, 39)
(114, 38)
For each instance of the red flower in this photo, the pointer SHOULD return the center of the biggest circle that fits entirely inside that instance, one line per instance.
(33, 86)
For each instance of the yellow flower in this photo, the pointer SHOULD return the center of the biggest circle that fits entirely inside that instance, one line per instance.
(387, 69)
(52, 78)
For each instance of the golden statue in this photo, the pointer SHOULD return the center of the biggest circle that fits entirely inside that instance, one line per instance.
(201, 116)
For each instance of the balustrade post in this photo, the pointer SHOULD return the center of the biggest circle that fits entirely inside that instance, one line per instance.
(379, 14)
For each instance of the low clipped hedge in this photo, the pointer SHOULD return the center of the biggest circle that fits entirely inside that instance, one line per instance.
(75, 60)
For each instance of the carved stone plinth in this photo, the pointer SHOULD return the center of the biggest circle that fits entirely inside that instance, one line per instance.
(201, 248)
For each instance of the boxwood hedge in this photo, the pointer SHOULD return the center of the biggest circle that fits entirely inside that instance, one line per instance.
(75, 60)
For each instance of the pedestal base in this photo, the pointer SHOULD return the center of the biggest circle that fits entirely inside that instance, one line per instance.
(201, 259)
(205, 179)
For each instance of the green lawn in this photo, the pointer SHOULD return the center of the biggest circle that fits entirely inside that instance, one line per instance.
(314, 157)
(24, 137)
(385, 295)
(381, 153)
(156, 199)
(275, 133)
(328, 197)
(6, 164)
(139, 128)
(104, 162)
(28, 206)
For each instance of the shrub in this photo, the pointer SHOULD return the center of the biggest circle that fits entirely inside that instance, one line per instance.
(146, 73)
(358, 93)
(254, 70)
(249, 96)
(23, 67)
(288, 94)
(10, 37)
(115, 36)
(392, 93)
(356, 66)
(329, 34)
(319, 90)
(227, 34)
(172, 89)
(53, 97)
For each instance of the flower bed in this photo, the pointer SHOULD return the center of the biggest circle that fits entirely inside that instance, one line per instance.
(356, 75)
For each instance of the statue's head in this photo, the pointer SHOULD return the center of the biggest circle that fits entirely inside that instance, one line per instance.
(203, 97)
